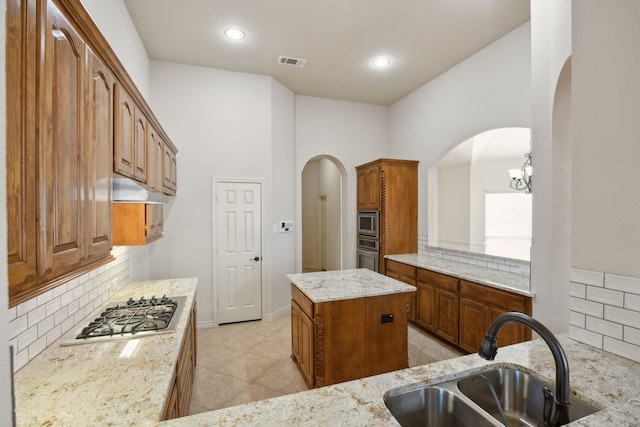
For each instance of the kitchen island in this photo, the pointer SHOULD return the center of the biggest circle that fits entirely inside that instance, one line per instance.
(123, 382)
(348, 324)
(606, 381)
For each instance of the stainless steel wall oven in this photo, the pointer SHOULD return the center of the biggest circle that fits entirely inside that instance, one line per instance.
(368, 254)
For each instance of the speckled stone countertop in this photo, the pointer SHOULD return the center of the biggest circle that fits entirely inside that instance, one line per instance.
(604, 380)
(346, 284)
(517, 283)
(95, 384)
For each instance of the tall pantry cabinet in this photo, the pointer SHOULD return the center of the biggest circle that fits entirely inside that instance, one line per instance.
(390, 187)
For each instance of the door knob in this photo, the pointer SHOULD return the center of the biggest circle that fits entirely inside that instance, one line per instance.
(255, 259)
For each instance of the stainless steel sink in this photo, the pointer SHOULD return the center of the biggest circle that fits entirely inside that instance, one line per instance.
(431, 407)
(469, 401)
(520, 395)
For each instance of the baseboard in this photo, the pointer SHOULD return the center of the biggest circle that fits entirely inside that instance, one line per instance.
(283, 311)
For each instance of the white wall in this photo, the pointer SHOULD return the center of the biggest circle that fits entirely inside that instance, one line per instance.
(282, 198)
(114, 22)
(453, 207)
(489, 90)
(550, 49)
(606, 126)
(310, 216)
(225, 125)
(351, 134)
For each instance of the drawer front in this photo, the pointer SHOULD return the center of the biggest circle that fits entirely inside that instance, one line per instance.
(500, 298)
(437, 279)
(305, 303)
(400, 268)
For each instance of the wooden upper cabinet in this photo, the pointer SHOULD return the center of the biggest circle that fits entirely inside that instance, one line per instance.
(61, 148)
(140, 144)
(369, 188)
(124, 144)
(98, 151)
(21, 204)
(155, 156)
(170, 173)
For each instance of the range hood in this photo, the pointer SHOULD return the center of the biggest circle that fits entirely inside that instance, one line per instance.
(128, 190)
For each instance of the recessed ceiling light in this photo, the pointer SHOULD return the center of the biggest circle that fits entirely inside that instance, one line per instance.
(381, 62)
(234, 34)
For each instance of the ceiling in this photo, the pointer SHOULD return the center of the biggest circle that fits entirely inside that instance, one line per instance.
(337, 38)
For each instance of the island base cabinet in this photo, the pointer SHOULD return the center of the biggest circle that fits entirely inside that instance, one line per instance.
(302, 342)
(343, 340)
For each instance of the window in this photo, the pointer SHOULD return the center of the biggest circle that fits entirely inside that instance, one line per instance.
(508, 224)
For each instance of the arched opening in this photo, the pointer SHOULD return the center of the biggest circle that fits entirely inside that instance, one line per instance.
(322, 214)
(472, 206)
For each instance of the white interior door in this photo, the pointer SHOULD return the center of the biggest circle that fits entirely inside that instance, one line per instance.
(239, 255)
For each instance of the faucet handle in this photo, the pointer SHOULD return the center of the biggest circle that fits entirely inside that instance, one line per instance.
(548, 408)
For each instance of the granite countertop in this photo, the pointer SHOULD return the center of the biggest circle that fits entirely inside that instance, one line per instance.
(517, 283)
(604, 380)
(337, 285)
(97, 384)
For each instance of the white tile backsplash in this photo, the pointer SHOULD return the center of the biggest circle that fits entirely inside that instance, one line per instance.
(37, 323)
(607, 315)
(605, 296)
(489, 261)
(623, 283)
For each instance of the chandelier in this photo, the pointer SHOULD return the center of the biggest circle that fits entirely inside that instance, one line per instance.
(521, 178)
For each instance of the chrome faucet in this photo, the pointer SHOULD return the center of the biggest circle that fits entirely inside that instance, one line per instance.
(556, 408)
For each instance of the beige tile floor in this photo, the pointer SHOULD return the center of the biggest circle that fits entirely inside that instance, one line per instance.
(245, 362)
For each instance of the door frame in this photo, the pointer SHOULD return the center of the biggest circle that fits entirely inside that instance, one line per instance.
(214, 263)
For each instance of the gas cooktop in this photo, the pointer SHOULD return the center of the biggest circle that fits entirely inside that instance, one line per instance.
(133, 318)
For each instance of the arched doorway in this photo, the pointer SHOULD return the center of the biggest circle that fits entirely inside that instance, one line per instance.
(322, 214)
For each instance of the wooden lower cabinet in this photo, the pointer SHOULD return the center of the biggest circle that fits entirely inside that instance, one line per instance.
(302, 341)
(343, 340)
(480, 305)
(407, 274)
(437, 304)
(460, 311)
(179, 397)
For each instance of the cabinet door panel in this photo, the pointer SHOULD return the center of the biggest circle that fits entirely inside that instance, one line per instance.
(124, 145)
(140, 146)
(98, 152)
(426, 306)
(447, 315)
(155, 155)
(61, 146)
(474, 321)
(21, 205)
(307, 353)
(369, 188)
(170, 179)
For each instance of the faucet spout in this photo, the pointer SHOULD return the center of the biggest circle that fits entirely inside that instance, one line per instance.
(489, 349)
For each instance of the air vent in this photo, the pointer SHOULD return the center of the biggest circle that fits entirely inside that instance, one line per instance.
(294, 62)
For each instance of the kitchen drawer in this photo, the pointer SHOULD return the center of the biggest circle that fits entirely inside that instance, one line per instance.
(437, 279)
(508, 300)
(305, 303)
(403, 269)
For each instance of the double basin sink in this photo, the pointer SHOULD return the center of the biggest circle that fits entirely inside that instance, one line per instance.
(492, 398)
